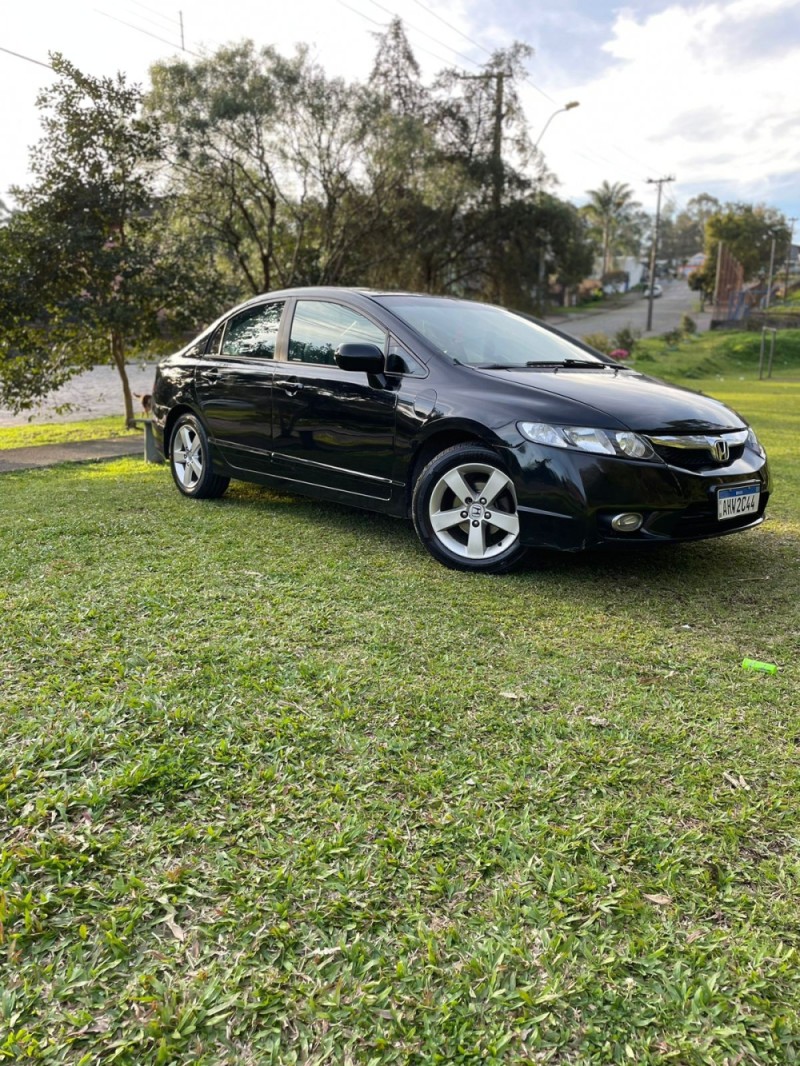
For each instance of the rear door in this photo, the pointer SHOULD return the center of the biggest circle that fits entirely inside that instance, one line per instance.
(331, 427)
(233, 384)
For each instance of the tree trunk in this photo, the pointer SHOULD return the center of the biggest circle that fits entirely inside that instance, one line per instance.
(118, 355)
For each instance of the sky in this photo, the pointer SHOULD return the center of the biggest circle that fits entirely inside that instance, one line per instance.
(705, 92)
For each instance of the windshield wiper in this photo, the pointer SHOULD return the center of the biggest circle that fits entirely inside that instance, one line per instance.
(544, 363)
(570, 362)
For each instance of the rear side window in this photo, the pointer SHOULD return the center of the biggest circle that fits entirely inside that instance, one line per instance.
(253, 332)
(318, 328)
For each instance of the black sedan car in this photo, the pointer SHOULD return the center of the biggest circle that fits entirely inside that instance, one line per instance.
(493, 432)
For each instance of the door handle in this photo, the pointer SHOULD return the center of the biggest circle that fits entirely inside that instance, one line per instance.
(289, 387)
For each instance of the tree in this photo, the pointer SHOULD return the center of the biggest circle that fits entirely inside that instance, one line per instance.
(90, 266)
(267, 156)
(748, 232)
(611, 213)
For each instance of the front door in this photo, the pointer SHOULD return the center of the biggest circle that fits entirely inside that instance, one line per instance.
(332, 428)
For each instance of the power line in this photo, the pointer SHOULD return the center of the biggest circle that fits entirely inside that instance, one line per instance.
(361, 13)
(151, 21)
(19, 55)
(425, 34)
(147, 33)
(153, 11)
(450, 26)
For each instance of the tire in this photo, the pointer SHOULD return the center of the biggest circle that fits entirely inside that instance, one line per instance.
(190, 461)
(465, 511)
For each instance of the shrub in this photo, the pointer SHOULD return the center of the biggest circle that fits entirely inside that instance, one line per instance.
(688, 325)
(626, 338)
(600, 341)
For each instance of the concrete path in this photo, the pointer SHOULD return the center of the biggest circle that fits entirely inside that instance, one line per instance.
(12, 459)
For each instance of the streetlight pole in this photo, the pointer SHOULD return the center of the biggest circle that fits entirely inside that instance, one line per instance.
(566, 107)
(659, 182)
(541, 287)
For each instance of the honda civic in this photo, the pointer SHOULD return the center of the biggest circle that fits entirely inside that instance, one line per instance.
(493, 432)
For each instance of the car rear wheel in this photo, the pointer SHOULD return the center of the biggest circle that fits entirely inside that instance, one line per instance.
(465, 511)
(190, 461)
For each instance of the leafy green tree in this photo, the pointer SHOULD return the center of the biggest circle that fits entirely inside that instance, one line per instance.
(613, 220)
(748, 232)
(266, 156)
(546, 243)
(90, 265)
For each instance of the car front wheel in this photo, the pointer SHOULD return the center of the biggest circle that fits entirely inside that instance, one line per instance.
(190, 461)
(465, 511)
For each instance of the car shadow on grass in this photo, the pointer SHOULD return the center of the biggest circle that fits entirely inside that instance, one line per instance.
(699, 566)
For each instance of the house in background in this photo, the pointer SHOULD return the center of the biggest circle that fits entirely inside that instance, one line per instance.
(697, 262)
(626, 271)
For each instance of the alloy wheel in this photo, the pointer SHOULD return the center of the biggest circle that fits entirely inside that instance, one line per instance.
(473, 511)
(187, 457)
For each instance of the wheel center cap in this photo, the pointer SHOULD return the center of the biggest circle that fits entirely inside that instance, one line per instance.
(476, 511)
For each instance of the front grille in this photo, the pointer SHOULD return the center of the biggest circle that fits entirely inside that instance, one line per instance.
(698, 451)
(695, 458)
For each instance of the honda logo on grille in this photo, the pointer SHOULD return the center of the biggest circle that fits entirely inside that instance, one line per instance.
(721, 451)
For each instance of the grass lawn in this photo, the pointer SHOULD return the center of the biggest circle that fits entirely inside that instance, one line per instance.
(724, 356)
(62, 432)
(277, 788)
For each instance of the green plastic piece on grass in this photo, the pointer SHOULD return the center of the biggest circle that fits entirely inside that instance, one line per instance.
(754, 664)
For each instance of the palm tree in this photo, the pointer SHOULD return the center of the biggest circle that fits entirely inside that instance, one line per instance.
(610, 211)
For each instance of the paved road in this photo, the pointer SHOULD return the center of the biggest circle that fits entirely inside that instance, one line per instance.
(678, 300)
(94, 393)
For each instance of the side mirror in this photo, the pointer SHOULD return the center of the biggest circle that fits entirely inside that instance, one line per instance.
(368, 358)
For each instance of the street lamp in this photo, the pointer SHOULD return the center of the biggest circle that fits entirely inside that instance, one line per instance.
(543, 251)
(566, 107)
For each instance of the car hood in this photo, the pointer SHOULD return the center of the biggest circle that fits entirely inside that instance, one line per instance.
(624, 396)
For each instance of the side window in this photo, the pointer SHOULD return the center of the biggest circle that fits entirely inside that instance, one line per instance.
(398, 361)
(318, 328)
(198, 349)
(216, 337)
(253, 331)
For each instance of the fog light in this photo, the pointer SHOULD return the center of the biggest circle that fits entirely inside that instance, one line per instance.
(626, 523)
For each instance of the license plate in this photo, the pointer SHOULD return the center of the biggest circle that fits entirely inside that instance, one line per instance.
(734, 502)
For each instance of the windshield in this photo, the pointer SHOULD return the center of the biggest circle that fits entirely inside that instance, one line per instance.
(479, 335)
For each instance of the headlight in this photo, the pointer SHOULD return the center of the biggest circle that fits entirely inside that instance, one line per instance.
(621, 443)
(754, 443)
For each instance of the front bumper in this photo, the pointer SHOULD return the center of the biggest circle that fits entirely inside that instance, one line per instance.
(567, 498)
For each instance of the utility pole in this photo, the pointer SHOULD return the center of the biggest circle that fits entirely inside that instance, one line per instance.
(768, 297)
(183, 42)
(718, 275)
(788, 259)
(497, 183)
(659, 182)
(497, 170)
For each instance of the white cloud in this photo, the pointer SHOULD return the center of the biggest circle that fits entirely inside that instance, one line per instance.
(679, 99)
(702, 90)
